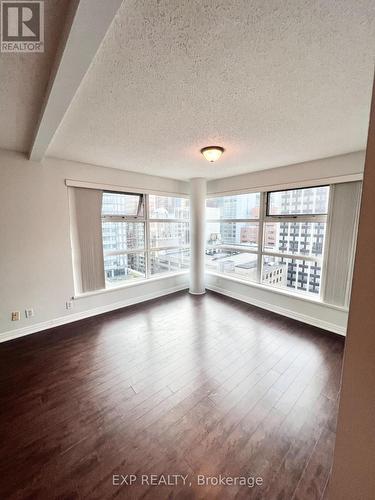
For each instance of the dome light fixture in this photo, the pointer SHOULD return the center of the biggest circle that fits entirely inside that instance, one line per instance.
(212, 153)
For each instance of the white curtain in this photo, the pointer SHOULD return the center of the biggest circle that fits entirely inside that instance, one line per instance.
(345, 205)
(86, 238)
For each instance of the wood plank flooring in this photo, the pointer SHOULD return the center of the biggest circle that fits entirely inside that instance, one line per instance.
(181, 385)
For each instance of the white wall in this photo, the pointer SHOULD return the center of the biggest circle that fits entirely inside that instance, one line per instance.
(315, 313)
(341, 168)
(328, 170)
(35, 253)
(354, 458)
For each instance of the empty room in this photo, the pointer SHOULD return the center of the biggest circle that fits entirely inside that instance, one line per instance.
(187, 278)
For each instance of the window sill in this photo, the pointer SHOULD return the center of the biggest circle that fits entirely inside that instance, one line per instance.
(128, 285)
(278, 291)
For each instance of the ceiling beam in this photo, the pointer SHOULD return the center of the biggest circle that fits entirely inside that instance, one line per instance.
(88, 22)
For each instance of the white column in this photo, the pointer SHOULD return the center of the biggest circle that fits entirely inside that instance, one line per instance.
(197, 231)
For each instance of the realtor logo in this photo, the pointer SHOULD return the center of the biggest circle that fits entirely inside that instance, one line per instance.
(22, 26)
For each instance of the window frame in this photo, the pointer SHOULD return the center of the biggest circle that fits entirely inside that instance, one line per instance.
(252, 220)
(260, 251)
(150, 249)
(294, 218)
(239, 248)
(141, 203)
(146, 221)
(283, 216)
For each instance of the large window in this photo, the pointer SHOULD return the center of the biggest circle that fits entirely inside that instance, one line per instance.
(232, 235)
(169, 234)
(275, 238)
(143, 236)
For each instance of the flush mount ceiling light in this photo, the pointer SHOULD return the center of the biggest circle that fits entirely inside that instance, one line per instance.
(212, 153)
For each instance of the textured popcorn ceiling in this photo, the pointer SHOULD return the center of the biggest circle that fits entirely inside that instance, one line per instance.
(23, 82)
(274, 82)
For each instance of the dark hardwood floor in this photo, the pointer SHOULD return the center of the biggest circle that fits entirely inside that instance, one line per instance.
(179, 385)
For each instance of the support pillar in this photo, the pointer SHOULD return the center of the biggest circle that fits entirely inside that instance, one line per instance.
(197, 232)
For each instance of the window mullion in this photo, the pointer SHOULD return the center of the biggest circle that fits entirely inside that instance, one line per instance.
(238, 248)
(168, 220)
(121, 218)
(147, 236)
(262, 212)
(326, 244)
(231, 220)
(113, 253)
(298, 256)
(296, 218)
(157, 249)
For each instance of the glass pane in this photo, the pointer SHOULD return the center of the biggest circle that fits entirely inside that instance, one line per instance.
(239, 206)
(169, 234)
(169, 261)
(243, 234)
(125, 205)
(168, 207)
(312, 200)
(123, 235)
(302, 238)
(241, 265)
(295, 275)
(123, 268)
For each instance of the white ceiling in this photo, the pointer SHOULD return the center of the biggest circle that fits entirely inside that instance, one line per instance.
(23, 82)
(274, 82)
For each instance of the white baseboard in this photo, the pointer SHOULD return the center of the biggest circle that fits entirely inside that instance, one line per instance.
(45, 325)
(325, 325)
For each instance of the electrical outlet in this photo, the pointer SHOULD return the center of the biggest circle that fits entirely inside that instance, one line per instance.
(69, 304)
(29, 313)
(16, 316)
